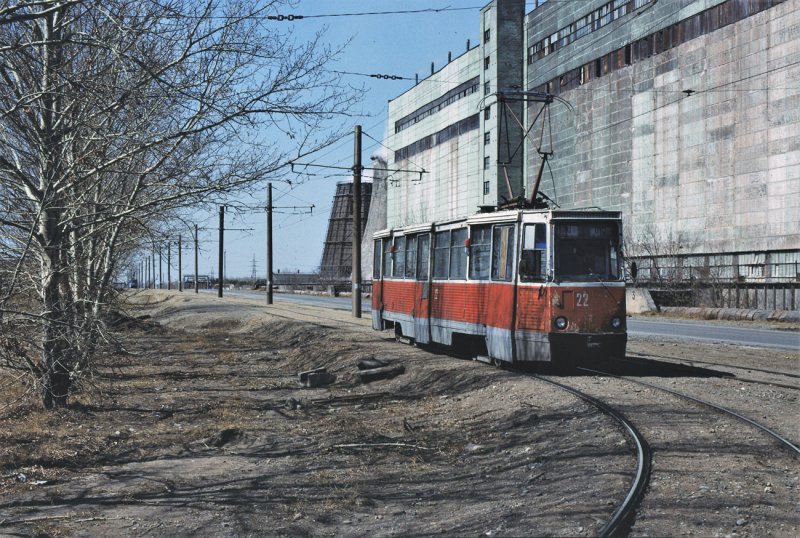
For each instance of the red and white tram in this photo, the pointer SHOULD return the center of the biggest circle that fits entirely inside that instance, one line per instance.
(512, 286)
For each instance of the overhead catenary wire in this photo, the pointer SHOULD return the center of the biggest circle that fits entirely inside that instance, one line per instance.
(293, 17)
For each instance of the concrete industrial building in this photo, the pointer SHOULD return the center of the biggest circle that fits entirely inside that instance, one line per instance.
(684, 115)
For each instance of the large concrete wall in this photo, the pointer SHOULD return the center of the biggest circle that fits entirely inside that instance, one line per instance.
(450, 185)
(686, 122)
(468, 170)
(718, 170)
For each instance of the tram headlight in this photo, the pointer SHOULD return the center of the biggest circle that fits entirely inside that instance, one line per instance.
(561, 323)
(616, 323)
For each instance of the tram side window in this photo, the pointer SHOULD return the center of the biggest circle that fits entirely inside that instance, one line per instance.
(411, 256)
(458, 254)
(423, 256)
(503, 253)
(399, 257)
(376, 260)
(441, 255)
(387, 257)
(479, 252)
(533, 263)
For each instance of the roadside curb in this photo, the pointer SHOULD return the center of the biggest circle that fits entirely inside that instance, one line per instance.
(732, 314)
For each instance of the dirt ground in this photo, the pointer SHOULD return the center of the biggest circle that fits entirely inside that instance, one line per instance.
(195, 424)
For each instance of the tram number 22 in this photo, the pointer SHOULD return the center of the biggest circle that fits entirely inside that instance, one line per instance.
(582, 299)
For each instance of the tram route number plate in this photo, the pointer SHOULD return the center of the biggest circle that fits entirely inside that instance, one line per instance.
(581, 299)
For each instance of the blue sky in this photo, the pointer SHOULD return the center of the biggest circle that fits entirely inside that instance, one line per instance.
(397, 44)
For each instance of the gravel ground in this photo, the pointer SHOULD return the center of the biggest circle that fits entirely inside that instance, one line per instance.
(195, 424)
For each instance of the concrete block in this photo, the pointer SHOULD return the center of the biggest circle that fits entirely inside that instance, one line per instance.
(639, 301)
(317, 377)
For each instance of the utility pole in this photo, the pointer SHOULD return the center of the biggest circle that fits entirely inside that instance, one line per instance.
(169, 265)
(160, 265)
(357, 225)
(221, 248)
(180, 264)
(269, 243)
(196, 250)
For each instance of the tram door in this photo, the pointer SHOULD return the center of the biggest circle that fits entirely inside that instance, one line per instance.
(422, 288)
(381, 258)
(532, 319)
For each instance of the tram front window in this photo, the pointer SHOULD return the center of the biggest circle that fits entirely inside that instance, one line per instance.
(586, 251)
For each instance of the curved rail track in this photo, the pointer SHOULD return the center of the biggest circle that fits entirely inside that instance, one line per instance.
(794, 449)
(623, 514)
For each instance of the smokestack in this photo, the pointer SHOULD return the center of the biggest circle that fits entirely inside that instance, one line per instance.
(416, 78)
(467, 45)
(449, 56)
(432, 69)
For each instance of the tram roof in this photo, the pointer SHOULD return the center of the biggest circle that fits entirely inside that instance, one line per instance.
(507, 215)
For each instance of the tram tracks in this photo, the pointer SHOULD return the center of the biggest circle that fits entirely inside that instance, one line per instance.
(708, 470)
(787, 444)
(624, 512)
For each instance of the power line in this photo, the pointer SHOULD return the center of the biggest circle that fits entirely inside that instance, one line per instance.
(333, 167)
(293, 17)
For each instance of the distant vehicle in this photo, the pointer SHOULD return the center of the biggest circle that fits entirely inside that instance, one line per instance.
(203, 281)
(511, 286)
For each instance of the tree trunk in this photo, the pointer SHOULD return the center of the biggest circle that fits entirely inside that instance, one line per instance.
(55, 346)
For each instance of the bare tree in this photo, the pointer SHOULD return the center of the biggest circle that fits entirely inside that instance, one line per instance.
(114, 117)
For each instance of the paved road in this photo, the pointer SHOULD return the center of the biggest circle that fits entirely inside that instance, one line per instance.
(681, 330)
(714, 332)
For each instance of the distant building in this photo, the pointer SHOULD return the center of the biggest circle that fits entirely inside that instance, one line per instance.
(684, 115)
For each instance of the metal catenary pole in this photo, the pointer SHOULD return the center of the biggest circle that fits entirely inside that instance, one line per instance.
(160, 264)
(196, 251)
(357, 225)
(169, 265)
(180, 264)
(221, 248)
(269, 243)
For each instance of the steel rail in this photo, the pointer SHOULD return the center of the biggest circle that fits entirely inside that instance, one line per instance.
(624, 512)
(785, 442)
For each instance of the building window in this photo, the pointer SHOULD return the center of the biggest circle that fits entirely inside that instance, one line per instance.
(487, 162)
(486, 88)
(486, 62)
(485, 187)
(487, 35)
(487, 138)
(487, 112)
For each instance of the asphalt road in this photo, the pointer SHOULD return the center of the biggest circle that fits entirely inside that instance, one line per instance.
(676, 329)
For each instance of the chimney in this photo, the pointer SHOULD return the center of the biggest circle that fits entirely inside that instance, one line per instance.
(467, 45)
